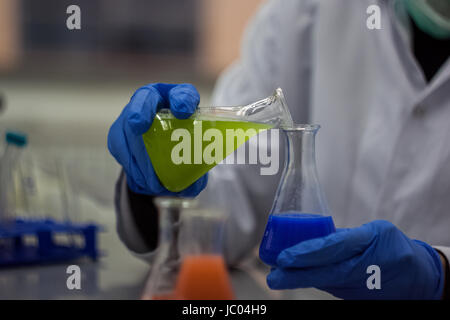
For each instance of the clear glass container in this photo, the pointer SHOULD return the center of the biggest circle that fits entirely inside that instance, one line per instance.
(15, 143)
(163, 275)
(300, 210)
(203, 272)
(272, 111)
(183, 150)
(189, 264)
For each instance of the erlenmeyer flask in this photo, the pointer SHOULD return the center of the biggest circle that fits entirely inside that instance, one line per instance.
(182, 151)
(300, 211)
(203, 273)
(163, 276)
(188, 264)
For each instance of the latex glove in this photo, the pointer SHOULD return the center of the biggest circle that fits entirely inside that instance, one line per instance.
(337, 263)
(125, 140)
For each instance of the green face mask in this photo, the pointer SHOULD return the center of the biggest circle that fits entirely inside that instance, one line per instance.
(431, 16)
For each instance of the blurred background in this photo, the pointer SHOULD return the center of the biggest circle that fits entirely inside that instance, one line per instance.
(52, 76)
(64, 88)
(133, 37)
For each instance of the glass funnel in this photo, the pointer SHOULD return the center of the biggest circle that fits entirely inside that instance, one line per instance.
(182, 151)
(300, 211)
(188, 264)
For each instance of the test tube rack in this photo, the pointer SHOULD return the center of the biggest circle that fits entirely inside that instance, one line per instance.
(44, 247)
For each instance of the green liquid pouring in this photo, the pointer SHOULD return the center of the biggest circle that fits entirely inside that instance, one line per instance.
(163, 145)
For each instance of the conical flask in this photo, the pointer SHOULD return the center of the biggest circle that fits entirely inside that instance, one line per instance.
(189, 264)
(182, 151)
(300, 211)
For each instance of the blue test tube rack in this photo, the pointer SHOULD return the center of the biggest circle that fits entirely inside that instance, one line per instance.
(15, 250)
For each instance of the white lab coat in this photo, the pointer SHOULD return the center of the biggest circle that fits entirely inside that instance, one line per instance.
(383, 151)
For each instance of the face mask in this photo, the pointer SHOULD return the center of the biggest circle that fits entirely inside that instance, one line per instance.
(431, 16)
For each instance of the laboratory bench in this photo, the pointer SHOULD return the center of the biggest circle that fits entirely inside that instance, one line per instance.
(119, 275)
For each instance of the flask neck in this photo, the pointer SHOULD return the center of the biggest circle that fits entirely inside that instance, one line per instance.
(202, 232)
(299, 190)
(163, 275)
(300, 151)
(169, 210)
(272, 111)
(186, 229)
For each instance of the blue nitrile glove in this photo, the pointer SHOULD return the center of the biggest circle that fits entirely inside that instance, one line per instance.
(337, 263)
(125, 140)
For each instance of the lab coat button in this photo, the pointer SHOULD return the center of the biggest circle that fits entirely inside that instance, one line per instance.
(419, 111)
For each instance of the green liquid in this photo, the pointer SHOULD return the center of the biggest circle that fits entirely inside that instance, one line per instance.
(176, 176)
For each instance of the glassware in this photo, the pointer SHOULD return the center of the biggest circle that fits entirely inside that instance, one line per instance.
(203, 273)
(272, 111)
(182, 151)
(300, 211)
(15, 142)
(188, 263)
(162, 280)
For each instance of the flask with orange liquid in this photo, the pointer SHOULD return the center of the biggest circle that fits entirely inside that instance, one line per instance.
(189, 264)
(203, 273)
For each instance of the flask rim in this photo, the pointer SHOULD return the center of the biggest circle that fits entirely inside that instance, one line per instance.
(175, 202)
(302, 127)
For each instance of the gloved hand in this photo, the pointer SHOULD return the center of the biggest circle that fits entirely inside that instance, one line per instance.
(125, 135)
(337, 263)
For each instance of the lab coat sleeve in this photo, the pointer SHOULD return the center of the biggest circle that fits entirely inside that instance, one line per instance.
(444, 250)
(125, 224)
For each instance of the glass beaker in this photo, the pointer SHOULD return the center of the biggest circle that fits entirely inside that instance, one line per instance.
(300, 211)
(182, 151)
(203, 273)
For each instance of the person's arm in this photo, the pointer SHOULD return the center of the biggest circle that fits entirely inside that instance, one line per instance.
(137, 220)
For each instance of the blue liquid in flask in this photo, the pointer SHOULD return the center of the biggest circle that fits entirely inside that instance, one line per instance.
(288, 229)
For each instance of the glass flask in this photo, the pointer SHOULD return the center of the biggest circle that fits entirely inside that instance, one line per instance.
(203, 272)
(300, 211)
(189, 264)
(182, 151)
(163, 276)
